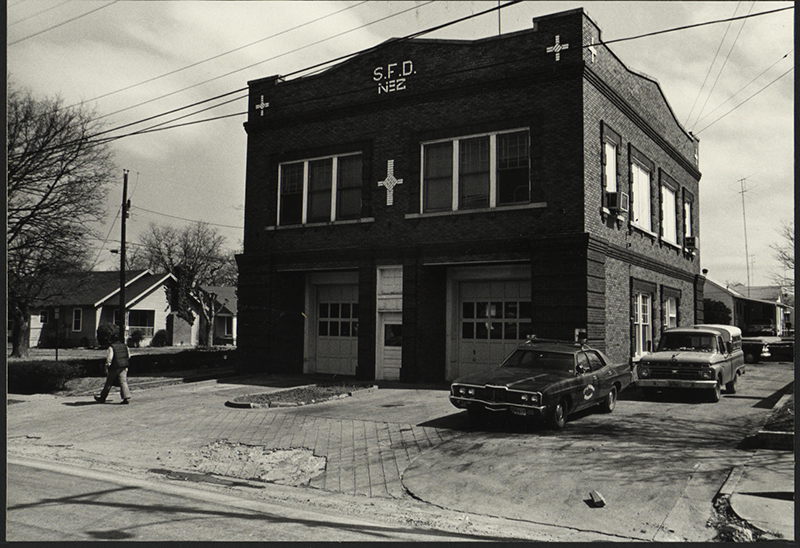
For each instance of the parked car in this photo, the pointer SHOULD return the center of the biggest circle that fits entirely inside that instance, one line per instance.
(700, 357)
(760, 327)
(755, 349)
(545, 379)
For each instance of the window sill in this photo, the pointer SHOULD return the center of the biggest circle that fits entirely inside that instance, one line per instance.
(537, 205)
(672, 245)
(644, 231)
(319, 225)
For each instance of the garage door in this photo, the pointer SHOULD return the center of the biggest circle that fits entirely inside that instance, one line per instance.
(494, 317)
(337, 329)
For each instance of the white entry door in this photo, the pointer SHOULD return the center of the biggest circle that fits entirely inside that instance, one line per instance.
(390, 346)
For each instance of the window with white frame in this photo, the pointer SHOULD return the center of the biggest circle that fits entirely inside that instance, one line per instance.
(77, 319)
(320, 190)
(688, 200)
(669, 224)
(228, 326)
(610, 157)
(670, 310)
(476, 172)
(641, 198)
(642, 324)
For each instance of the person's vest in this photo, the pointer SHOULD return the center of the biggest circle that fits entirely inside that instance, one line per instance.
(121, 355)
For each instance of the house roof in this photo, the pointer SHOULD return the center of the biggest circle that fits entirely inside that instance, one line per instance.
(770, 293)
(87, 288)
(226, 296)
(137, 289)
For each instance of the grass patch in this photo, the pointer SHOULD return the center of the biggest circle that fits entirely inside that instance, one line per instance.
(304, 394)
(782, 420)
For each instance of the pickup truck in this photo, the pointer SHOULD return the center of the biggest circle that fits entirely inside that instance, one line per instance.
(699, 357)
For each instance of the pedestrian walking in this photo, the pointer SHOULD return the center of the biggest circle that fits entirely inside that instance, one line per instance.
(117, 360)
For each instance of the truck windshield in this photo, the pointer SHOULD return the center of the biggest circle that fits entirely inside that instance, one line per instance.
(537, 359)
(688, 341)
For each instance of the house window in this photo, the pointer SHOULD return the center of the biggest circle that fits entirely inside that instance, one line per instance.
(669, 225)
(338, 320)
(307, 193)
(43, 317)
(642, 324)
(480, 171)
(77, 319)
(688, 200)
(610, 166)
(641, 206)
(670, 310)
(509, 320)
(228, 326)
(142, 320)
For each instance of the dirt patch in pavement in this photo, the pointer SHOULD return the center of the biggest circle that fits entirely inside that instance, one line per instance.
(304, 394)
(294, 467)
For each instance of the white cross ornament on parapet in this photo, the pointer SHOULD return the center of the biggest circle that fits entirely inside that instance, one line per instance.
(389, 182)
(557, 48)
(262, 105)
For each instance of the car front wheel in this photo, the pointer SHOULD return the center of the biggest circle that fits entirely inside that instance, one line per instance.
(558, 416)
(610, 402)
(730, 388)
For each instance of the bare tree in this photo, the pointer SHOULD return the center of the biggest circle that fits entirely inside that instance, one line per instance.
(197, 257)
(57, 178)
(784, 253)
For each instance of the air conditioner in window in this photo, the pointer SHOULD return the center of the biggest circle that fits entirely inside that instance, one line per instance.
(690, 242)
(618, 202)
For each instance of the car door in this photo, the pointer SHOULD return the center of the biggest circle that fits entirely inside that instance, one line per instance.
(603, 375)
(587, 381)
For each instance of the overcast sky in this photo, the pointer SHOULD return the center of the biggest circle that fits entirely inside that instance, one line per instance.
(132, 60)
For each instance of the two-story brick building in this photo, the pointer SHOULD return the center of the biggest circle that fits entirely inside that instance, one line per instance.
(416, 211)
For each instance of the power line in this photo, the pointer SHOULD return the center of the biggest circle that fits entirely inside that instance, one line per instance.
(725, 62)
(64, 23)
(708, 73)
(192, 65)
(743, 102)
(745, 86)
(265, 61)
(38, 13)
(185, 219)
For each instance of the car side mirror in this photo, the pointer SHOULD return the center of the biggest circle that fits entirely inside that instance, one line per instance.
(582, 369)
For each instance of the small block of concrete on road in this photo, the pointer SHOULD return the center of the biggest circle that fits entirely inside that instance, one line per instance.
(597, 499)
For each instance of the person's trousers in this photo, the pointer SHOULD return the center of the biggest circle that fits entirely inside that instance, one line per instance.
(120, 375)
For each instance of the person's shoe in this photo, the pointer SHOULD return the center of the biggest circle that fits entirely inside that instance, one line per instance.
(98, 399)
(126, 401)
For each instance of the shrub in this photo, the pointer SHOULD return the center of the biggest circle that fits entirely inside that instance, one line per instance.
(106, 332)
(41, 377)
(159, 339)
(135, 340)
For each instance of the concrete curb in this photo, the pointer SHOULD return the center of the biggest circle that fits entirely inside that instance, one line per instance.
(766, 439)
(248, 405)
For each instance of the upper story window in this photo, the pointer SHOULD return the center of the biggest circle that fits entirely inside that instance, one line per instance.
(688, 217)
(320, 190)
(669, 223)
(641, 179)
(476, 172)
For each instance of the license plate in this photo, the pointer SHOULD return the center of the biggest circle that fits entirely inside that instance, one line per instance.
(516, 411)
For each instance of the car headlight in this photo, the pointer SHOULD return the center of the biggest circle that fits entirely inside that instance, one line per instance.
(462, 390)
(708, 374)
(471, 391)
(644, 372)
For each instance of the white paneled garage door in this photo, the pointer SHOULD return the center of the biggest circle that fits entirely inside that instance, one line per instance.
(336, 348)
(494, 317)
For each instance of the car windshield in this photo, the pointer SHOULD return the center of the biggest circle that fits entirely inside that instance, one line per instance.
(688, 341)
(544, 360)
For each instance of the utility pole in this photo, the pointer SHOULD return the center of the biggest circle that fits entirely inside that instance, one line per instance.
(125, 207)
(499, 28)
(744, 219)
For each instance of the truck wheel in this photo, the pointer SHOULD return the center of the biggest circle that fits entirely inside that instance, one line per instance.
(608, 404)
(558, 416)
(716, 392)
(730, 387)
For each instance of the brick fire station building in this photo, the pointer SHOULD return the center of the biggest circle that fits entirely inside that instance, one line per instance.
(416, 211)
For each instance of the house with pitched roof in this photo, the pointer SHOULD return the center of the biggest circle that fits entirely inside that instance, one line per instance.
(756, 310)
(76, 305)
(224, 298)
